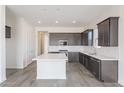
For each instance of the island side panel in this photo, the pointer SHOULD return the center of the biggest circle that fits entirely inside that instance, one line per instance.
(109, 71)
(51, 69)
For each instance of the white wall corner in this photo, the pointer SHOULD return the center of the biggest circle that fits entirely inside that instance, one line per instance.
(2, 44)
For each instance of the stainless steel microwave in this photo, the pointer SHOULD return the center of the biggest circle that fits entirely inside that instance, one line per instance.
(63, 42)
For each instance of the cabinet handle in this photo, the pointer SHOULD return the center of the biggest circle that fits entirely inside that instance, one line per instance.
(95, 60)
(92, 58)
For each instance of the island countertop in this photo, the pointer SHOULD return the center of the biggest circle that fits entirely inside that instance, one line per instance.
(51, 66)
(51, 56)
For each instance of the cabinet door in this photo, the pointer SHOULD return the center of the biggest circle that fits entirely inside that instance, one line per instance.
(86, 38)
(100, 34)
(73, 57)
(95, 67)
(70, 57)
(77, 39)
(104, 33)
(106, 29)
(82, 39)
(84, 60)
(80, 58)
(76, 56)
(87, 62)
(108, 32)
(114, 31)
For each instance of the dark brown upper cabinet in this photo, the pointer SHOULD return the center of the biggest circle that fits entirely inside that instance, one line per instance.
(108, 32)
(73, 39)
(87, 37)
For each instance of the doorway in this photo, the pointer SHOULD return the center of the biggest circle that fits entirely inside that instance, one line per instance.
(42, 42)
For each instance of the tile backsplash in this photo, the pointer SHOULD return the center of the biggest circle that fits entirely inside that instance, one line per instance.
(106, 51)
(69, 48)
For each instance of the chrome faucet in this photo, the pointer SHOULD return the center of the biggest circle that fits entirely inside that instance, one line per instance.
(93, 51)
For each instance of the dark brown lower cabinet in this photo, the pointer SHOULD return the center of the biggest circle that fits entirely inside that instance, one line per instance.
(94, 67)
(81, 58)
(73, 56)
(103, 70)
(109, 70)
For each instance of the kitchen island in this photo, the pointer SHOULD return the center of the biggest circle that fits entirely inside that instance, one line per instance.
(51, 66)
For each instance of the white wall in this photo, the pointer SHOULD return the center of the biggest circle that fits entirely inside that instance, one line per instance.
(118, 12)
(60, 29)
(11, 42)
(121, 45)
(21, 46)
(25, 43)
(2, 44)
(112, 12)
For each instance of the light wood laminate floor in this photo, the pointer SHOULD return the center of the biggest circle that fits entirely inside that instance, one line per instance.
(77, 76)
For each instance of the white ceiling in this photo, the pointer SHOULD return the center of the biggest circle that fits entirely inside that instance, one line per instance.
(64, 14)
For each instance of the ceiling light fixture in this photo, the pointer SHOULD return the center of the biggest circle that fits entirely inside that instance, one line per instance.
(57, 22)
(39, 22)
(73, 21)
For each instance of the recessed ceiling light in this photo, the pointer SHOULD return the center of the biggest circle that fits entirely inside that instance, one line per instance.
(73, 21)
(39, 22)
(57, 22)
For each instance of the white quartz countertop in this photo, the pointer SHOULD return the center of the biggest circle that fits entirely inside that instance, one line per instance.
(100, 57)
(52, 56)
